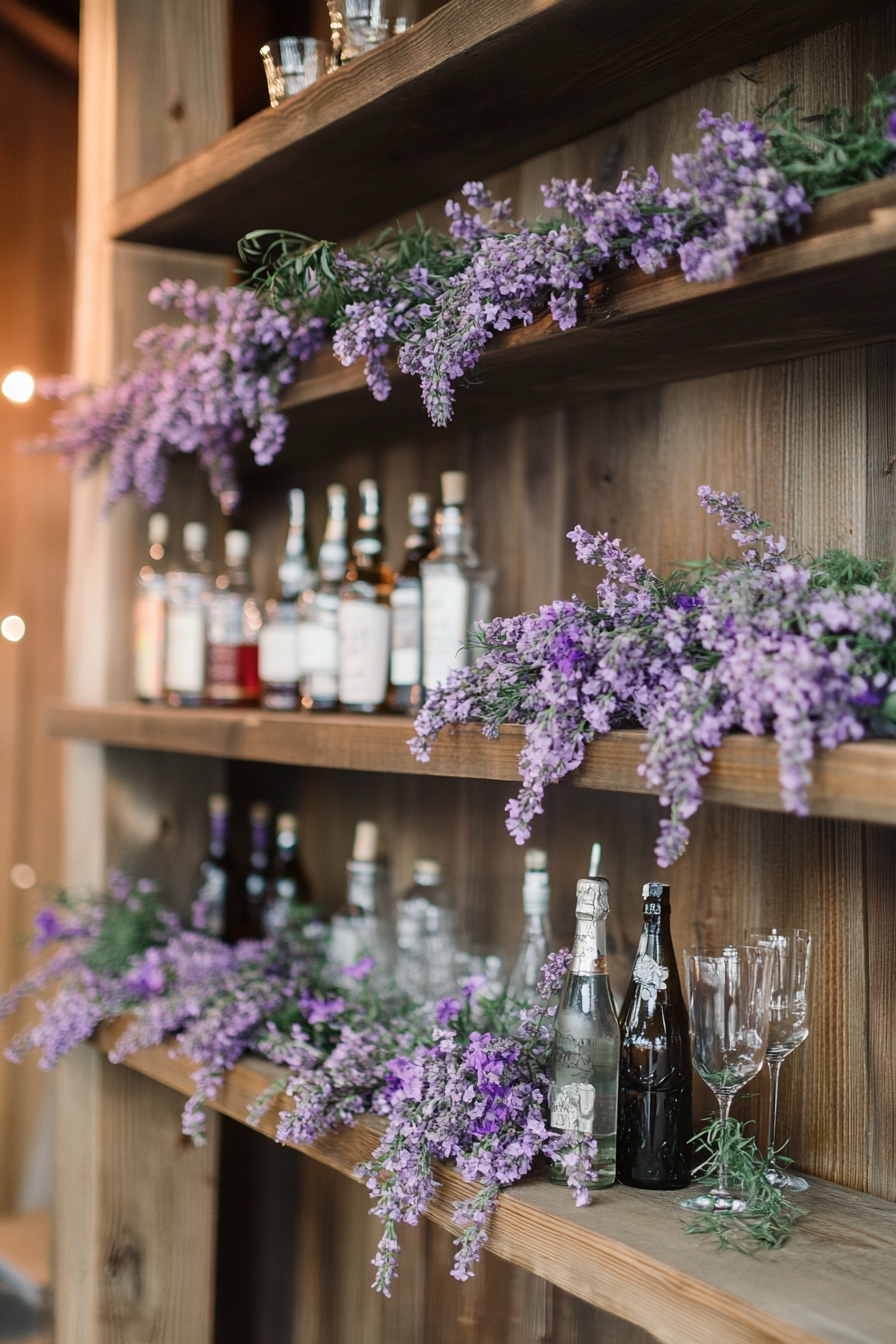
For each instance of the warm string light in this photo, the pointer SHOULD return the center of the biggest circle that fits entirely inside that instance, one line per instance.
(18, 386)
(12, 628)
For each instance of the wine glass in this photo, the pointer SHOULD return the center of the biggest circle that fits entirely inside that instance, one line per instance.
(790, 961)
(727, 991)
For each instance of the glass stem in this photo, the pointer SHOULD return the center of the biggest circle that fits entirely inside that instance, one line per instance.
(724, 1108)
(774, 1073)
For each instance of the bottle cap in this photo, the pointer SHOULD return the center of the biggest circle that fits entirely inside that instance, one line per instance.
(336, 497)
(367, 840)
(287, 821)
(594, 865)
(296, 508)
(158, 529)
(237, 545)
(592, 897)
(370, 498)
(419, 510)
(654, 891)
(260, 814)
(427, 872)
(536, 861)
(454, 487)
(219, 805)
(195, 536)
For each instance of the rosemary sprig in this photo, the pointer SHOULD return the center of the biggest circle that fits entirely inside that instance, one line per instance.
(771, 1215)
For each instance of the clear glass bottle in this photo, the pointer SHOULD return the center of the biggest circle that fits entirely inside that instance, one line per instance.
(653, 1149)
(188, 587)
(356, 929)
(256, 883)
(535, 943)
(406, 662)
(364, 613)
(319, 612)
(288, 901)
(216, 889)
(585, 1056)
(234, 620)
(149, 617)
(278, 639)
(456, 589)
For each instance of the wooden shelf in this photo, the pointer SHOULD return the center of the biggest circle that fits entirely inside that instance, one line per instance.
(628, 1253)
(825, 289)
(475, 87)
(856, 781)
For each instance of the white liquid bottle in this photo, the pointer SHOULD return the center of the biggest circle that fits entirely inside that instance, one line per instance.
(149, 617)
(188, 588)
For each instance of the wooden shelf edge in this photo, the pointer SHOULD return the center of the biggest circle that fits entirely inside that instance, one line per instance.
(856, 781)
(463, 68)
(627, 1253)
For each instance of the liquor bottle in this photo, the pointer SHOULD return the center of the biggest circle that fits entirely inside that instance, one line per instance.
(234, 620)
(456, 589)
(278, 639)
(217, 888)
(425, 936)
(256, 883)
(585, 1062)
(355, 929)
(149, 617)
(654, 1139)
(288, 901)
(364, 613)
(535, 944)
(188, 587)
(406, 663)
(319, 612)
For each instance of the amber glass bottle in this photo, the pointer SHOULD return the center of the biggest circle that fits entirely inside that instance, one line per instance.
(653, 1144)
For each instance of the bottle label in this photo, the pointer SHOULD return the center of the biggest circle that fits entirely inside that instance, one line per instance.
(278, 653)
(572, 1108)
(446, 602)
(185, 650)
(149, 642)
(651, 977)
(233, 673)
(363, 652)
(407, 633)
(319, 649)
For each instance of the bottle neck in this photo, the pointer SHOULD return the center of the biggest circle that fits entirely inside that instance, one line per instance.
(450, 529)
(361, 886)
(417, 547)
(333, 554)
(236, 577)
(655, 970)
(218, 835)
(589, 951)
(260, 842)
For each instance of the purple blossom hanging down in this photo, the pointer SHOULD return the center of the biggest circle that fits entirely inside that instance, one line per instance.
(764, 644)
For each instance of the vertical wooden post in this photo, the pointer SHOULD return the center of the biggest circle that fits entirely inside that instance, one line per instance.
(137, 1207)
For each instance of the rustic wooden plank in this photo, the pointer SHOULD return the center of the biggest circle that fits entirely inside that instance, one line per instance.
(626, 1253)
(134, 1257)
(857, 780)
(332, 161)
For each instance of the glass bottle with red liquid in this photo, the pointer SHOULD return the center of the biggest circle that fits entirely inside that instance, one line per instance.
(234, 620)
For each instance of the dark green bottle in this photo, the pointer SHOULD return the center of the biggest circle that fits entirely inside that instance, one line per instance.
(653, 1143)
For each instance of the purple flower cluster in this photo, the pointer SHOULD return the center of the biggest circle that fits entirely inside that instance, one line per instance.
(199, 387)
(764, 645)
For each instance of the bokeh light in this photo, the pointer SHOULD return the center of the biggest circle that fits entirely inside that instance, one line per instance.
(12, 628)
(18, 386)
(23, 876)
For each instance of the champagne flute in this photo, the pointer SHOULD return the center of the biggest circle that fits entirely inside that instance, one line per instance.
(790, 962)
(727, 991)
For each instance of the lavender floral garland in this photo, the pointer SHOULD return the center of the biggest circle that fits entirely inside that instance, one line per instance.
(439, 298)
(468, 1084)
(766, 643)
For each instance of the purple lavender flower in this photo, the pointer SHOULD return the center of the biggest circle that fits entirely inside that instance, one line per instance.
(360, 970)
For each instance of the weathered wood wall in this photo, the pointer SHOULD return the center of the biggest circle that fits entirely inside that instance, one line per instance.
(807, 442)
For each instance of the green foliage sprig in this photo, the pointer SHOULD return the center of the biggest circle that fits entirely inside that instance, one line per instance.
(771, 1216)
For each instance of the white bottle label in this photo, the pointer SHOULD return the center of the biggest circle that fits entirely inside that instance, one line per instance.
(446, 602)
(318, 648)
(185, 650)
(407, 633)
(363, 652)
(572, 1108)
(149, 641)
(278, 653)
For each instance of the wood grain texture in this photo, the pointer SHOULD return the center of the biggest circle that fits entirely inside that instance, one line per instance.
(332, 161)
(857, 780)
(134, 1258)
(626, 1254)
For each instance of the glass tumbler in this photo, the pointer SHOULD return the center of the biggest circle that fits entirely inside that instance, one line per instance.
(291, 64)
(357, 26)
